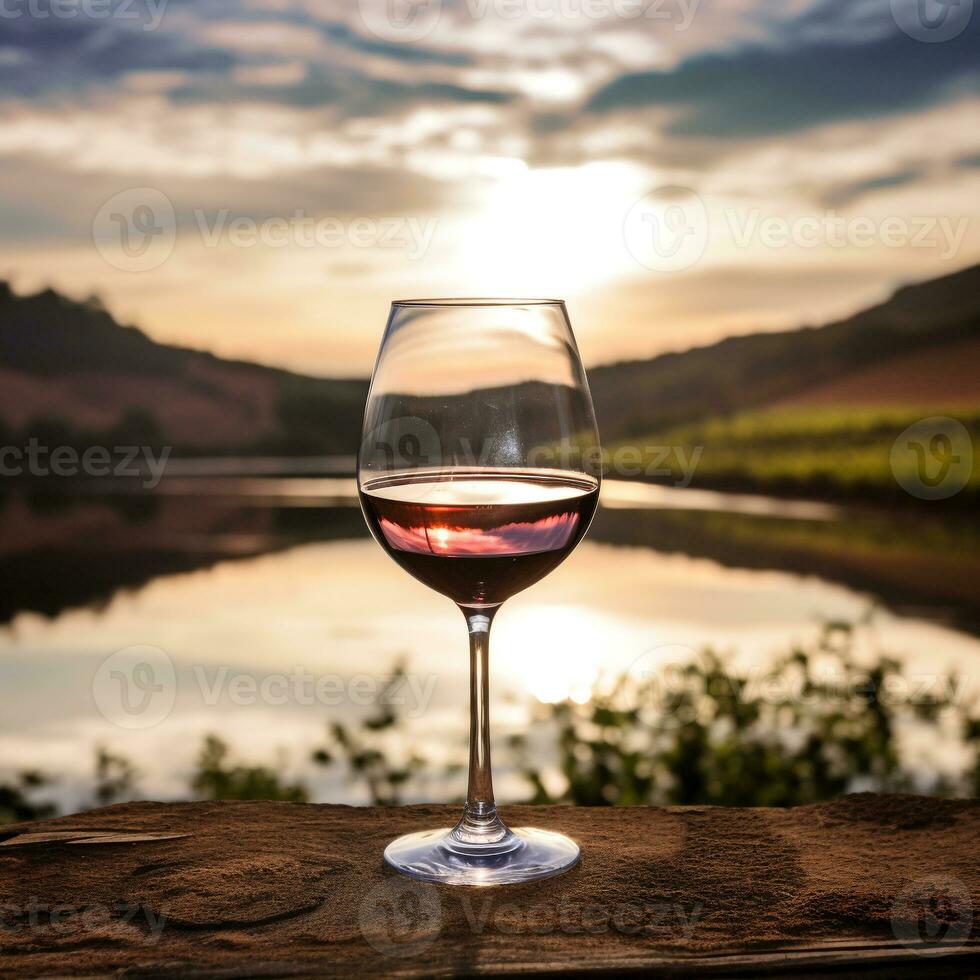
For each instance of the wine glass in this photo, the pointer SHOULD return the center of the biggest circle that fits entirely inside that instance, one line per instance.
(478, 473)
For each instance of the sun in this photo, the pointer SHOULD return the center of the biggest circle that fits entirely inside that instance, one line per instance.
(552, 651)
(551, 231)
(440, 535)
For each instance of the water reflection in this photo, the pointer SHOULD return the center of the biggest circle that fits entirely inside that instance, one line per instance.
(254, 586)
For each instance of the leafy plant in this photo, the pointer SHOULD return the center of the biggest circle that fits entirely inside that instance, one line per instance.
(115, 777)
(216, 779)
(816, 725)
(821, 721)
(16, 801)
(367, 754)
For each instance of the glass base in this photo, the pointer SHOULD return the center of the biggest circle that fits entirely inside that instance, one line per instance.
(524, 854)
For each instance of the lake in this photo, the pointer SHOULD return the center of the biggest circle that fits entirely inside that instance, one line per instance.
(256, 607)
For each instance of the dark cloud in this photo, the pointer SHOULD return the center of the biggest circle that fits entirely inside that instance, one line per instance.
(59, 55)
(74, 54)
(850, 21)
(971, 161)
(351, 94)
(841, 194)
(758, 90)
(413, 53)
(334, 30)
(41, 202)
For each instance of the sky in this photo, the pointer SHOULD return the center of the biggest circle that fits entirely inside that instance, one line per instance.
(261, 178)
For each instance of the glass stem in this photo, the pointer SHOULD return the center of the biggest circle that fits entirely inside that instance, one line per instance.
(479, 823)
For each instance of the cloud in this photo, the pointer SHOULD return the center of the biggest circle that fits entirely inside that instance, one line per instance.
(217, 50)
(264, 36)
(806, 78)
(523, 126)
(413, 53)
(40, 202)
(70, 56)
(969, 161)
(349, 94)
(846, 193)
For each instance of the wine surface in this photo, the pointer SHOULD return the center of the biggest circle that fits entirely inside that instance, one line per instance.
(479, 537)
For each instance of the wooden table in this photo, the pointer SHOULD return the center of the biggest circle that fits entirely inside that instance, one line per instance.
(865, 883)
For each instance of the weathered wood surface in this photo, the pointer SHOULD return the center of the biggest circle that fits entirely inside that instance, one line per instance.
(277, 889)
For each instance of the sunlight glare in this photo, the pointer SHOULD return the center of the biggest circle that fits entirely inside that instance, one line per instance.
(554, 651)
(552, 231)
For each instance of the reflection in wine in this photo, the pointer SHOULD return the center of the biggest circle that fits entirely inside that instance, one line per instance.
(479, 537)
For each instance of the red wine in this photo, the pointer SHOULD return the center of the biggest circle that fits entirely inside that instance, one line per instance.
(479, 537)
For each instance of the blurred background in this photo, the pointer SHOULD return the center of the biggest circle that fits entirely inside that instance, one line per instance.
(764, 219)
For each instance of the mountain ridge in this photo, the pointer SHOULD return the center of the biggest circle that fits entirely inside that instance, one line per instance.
(69, 367)
(754, 370)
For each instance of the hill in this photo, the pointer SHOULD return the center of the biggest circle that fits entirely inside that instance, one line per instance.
(937, 374)
(72, 373)
(69, 370)
(750, 372)
(814, 412)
